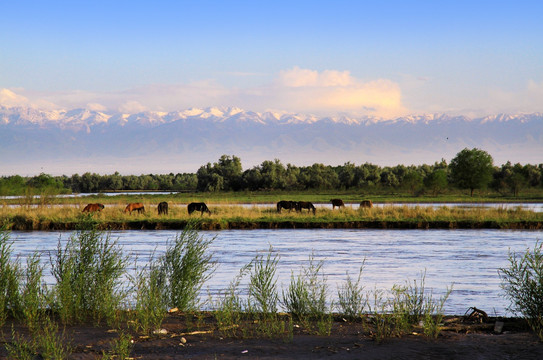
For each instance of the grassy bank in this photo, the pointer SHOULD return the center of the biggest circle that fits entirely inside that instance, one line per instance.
(227, 216)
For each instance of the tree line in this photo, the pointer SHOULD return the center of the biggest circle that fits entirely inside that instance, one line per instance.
(470, 169)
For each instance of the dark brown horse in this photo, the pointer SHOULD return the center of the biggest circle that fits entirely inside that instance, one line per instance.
(135, 206)
(163, 208)
(202, 207)
(93, 207)
(285, 204)
(305, 205)
(337, 202)
(366, 204)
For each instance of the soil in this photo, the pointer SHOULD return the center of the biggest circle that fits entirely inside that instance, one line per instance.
(182, 339)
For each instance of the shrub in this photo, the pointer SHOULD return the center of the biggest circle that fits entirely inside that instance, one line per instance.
(10, 278)
(351, 299)
(522, 282)
(88, 273)
(186, 266)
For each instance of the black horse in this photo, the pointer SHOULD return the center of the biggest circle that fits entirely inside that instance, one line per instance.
(202, 207)
(305, 205)
(337, 202)
(163, 208)
(285, 204)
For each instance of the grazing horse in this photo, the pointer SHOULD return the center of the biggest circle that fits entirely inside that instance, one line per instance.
(93, 207)
(135, 206)
(285, 204)
(202, 207)
(305, 205)
(163, 208)
(337, 202)
(366, 204)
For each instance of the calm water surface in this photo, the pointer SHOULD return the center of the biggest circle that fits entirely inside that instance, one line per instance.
(467, 259)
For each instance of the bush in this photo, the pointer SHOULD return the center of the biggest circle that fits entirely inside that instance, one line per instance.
(88, 272)
(10, 278)
(186, 266)
(522, 282)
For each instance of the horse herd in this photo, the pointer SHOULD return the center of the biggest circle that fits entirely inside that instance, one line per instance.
(162, 207)
(300, 205)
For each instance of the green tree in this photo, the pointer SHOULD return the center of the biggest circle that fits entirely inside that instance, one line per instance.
(222, 175)
(471, 169)
(436, 181)
(413, 181)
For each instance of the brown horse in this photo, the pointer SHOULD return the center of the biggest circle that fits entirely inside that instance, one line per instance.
(135, 206)
(305, 205)
(366, 204)
(202, 207)
(285, 204)
(163, 208)
(93, 207)
(337, 202)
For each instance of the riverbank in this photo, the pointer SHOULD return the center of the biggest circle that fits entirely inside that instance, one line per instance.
(181, 337)
(47, 225)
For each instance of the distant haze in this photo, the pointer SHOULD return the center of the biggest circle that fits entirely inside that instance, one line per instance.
(81, 140)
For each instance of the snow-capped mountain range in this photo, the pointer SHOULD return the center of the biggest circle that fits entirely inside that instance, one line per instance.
(34, 140)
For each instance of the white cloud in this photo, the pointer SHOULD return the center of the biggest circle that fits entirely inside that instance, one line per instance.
(295, 90)
(131, 107)
(337, 91)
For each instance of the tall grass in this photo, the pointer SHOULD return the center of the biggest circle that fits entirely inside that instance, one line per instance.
(230, 305)
(10, 278)
(150, 306)
(88, 270)
(307, 297)
(263, 293)
(352, 301)
(34, 293)
(186, 266)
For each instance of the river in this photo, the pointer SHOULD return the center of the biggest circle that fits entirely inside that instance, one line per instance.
(467, 260)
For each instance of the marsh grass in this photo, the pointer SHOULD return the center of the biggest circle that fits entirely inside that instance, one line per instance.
(23, 218)
(88, 272)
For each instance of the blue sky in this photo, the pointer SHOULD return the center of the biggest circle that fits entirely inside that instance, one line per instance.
(386, 58)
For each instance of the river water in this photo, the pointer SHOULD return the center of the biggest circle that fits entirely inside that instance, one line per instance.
(467, 260)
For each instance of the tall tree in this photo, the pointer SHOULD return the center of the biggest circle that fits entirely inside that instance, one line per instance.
(472, 169)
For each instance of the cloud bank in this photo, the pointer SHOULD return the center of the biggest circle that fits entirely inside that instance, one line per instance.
(301, 90)
(294, 90)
